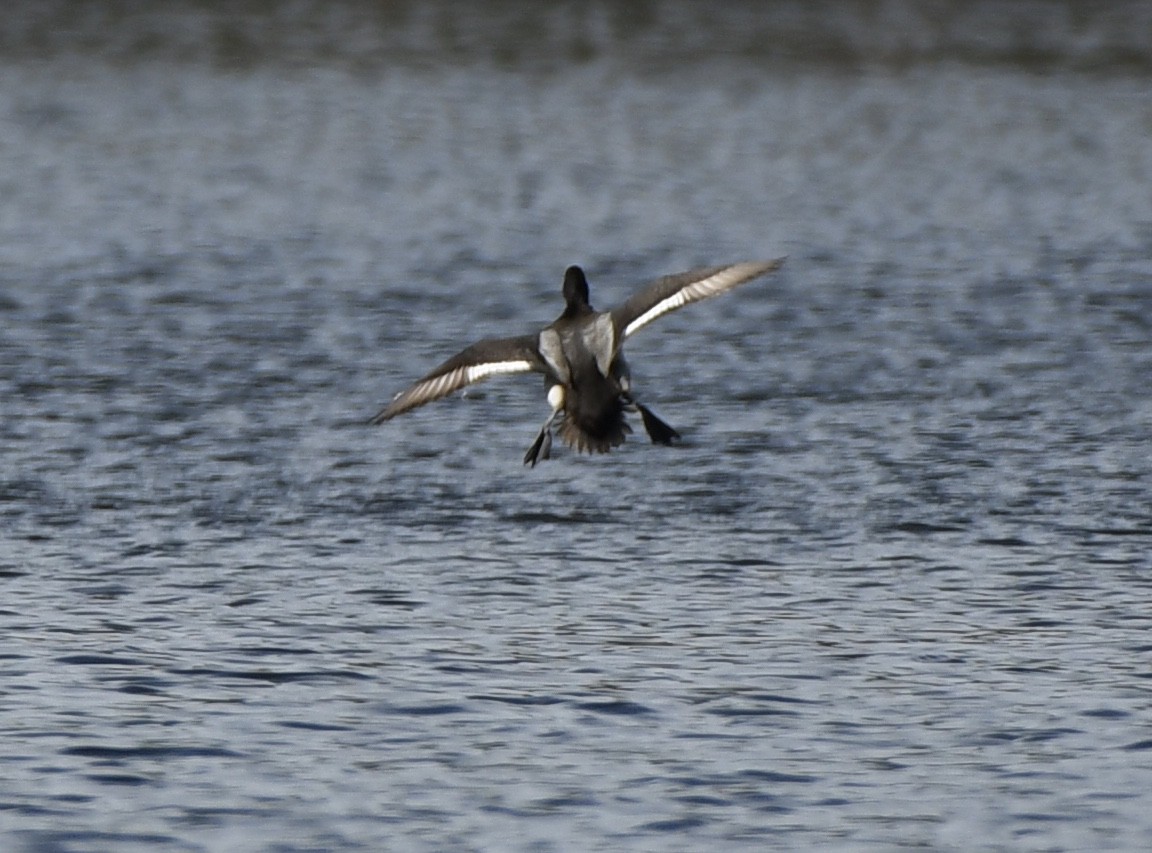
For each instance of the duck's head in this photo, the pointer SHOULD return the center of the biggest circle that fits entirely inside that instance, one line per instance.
(575, 291)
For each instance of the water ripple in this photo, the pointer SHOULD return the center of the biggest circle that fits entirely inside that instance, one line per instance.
(890, 591)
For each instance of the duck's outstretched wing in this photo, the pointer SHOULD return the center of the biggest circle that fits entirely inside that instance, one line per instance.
(675, 291)
(490, 357)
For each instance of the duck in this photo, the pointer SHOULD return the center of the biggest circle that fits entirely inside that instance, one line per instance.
(580, 356)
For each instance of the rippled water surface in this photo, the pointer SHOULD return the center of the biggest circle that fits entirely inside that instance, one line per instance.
(894, 590)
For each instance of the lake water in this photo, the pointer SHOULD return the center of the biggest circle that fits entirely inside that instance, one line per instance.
(894, 590)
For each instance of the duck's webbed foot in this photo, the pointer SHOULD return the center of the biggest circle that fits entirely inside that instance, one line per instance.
(658, 431)
(542, 447)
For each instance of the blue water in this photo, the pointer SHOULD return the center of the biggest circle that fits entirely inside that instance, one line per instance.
(892, 591)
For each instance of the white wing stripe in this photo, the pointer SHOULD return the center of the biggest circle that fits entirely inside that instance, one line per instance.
(446, 383)
(711, 286)
(494, 368)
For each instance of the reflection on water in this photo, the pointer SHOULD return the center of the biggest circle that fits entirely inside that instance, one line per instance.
(892, 589)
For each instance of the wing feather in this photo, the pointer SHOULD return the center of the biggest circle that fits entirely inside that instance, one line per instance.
(492, 357)
(676, 291)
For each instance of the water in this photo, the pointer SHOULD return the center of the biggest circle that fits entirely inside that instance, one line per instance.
(892, 591)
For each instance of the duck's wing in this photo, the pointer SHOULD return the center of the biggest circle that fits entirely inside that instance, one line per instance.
(675, 291)
(490, 357)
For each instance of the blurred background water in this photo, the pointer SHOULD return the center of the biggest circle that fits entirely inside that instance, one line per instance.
(892, 591)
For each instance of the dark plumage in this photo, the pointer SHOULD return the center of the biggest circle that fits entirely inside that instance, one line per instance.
(580, 356)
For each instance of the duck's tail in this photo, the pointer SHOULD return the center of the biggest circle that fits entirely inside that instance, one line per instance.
(595, 432)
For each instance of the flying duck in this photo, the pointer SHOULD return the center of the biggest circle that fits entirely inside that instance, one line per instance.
(589, 388)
